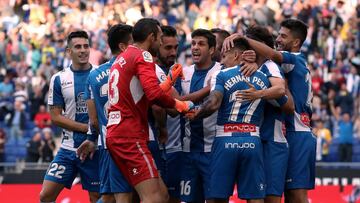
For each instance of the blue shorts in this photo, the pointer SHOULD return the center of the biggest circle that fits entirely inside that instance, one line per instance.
(158, 156)
(276, 156)
(111, 179)
(65, 167)
(172, 175)
(301, 165)
(237, 159)
(195, 176)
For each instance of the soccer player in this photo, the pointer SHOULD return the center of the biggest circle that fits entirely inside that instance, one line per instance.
(133, 86)
(68, 110)
(276, 149)
(112, 182)
(237, 154)
(300, 175)
(173, 150)
(220, 35)
(199, 134)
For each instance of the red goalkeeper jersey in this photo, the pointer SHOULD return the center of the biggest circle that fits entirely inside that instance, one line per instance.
(133, 86)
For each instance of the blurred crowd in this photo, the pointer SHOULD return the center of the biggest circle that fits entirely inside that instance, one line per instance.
(32, 49)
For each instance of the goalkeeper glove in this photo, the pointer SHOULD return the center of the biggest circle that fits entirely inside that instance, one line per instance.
(174, 72)
(183, 106)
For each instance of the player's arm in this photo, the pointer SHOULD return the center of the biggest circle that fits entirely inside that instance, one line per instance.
(58, 119)
(276, 91)
(289, 106)
(160, 119)
(259, 47)
(194, 96)
(211, 105)
(56, 104)
(146, 73)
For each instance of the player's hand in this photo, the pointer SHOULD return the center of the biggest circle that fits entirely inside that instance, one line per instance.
(163, 135)
(174, 72)
(229, 42)
(247, 68)
(191, 114)
(249, 94)
(183, 106)
(87, 148)
(249, 56)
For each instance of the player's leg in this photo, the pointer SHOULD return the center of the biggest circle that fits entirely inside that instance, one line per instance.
(189, 181)
(61, 173)
(50, 191)
(136, 163)
(89, 174)
(300, 175)
(172, 176)
(223, 169)
(251, 181)
(108, 198)
(276, 156)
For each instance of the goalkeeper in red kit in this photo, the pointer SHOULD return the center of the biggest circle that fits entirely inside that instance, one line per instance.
(133, 88)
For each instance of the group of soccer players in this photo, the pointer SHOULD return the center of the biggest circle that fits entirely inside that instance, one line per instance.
(140, 127)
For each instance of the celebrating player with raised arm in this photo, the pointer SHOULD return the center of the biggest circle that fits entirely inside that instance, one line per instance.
(112, 182)
(237, 154)
(68, 110)
(302, 143)
(133, 86)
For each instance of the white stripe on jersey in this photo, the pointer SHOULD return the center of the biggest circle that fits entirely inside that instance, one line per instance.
(278, 132)
(136, 89)
(273, 68)
(299, 125)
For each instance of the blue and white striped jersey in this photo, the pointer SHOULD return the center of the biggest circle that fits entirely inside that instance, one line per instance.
(271, 127)
(233, 111)
(173, 123)
(199, 134)
(67, 89)
(299, 81)
(97, 89)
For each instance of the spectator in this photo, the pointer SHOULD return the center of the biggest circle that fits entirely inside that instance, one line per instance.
(47, 146)
(6, 88)
(33, 148)
(42, 118)
(16, 120)
(323, 141)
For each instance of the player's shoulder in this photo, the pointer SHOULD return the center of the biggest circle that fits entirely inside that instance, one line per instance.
(271, 65)
(230, 69)
(217, 66)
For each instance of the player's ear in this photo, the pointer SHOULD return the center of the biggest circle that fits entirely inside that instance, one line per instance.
(212, 50)
(122, 47)
(152, 37)
(297, 43)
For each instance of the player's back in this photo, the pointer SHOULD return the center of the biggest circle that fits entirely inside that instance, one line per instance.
(67, 89)
(128, 109)
(299, 82)
(98, 90)
(272, 125)
(233, 112)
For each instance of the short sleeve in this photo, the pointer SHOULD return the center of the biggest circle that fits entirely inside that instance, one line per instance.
(217, 82)
(288, 62)
(55, 97)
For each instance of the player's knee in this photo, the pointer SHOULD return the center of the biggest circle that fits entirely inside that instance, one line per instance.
(45, 197)
(94, 196)
(159, 197)
(108, 198)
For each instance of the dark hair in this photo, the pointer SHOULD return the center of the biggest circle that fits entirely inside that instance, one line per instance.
(119, 33)
(261, 34)
(207, 34)
(168, 31)
(143, 28)
(241, 44)
(77, 34)
(223, 33)
(297, 28)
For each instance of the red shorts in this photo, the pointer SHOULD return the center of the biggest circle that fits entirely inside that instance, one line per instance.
(133, 158)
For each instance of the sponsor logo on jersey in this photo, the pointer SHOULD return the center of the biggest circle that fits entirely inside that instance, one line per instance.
(147, 57)
(244, 145)
(65, 84)
(114, 118)
(239, 127)
(81, 104)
